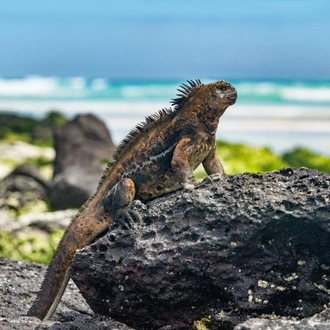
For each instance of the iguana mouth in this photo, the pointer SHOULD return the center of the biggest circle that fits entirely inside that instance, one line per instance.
(232, 96)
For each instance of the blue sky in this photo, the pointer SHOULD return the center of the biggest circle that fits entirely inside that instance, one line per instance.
(166, 39)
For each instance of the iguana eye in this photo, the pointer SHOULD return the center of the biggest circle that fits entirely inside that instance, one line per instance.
(222, 88)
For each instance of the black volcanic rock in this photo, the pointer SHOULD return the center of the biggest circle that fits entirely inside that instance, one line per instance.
(19, 283)
(319, 321)
(249, 245)
(23, 185)
(82, 147)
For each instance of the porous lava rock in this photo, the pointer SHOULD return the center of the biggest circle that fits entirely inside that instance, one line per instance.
(83, 146)
(19, 283)
(248, 245)
(319, 321)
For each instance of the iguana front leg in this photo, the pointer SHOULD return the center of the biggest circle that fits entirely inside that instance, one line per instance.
(212, 164)
(213, 168)
(180, 163)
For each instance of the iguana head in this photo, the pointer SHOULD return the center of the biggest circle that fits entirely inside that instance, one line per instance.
(213, 96)
(223, 93)
(205, 103)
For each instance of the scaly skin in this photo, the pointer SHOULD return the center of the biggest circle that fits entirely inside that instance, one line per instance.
(157, 157)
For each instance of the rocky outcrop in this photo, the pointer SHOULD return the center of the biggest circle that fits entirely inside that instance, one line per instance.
(43, 221)
(317, 322)
(24, 185)
(248, 252)
(20, 281)
(250, 245)
(83, 146)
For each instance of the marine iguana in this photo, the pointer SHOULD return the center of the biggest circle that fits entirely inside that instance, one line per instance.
(158, 156)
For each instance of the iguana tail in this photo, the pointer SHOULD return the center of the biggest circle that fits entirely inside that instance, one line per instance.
(81, 232)
(55, 281)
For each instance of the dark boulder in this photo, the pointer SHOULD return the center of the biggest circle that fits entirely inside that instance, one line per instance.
(41, 133)
(82, 146)
(250, 245)
(23, 185)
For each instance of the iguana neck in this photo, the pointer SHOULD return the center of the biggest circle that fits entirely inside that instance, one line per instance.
(205, 118)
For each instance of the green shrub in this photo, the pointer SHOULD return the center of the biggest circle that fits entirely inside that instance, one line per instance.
(299, 157)
(40, 161)
(29, 247)
(16, 127)
(238, 158)
(54, 119)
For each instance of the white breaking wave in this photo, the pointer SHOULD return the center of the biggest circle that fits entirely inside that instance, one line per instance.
(43, 87)
(81, 88)
(320, 94)
(29, 86)
(296, 92)
(99, 84)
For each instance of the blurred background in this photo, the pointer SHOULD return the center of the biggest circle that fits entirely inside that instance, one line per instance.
(124, 60)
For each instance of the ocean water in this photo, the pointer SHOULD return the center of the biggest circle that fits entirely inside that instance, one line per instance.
(281, 114)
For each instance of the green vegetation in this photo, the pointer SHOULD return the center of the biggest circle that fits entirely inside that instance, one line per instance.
(39, 132)
(40, 161)
(238, 158)
(44, 164)
(54, 119)
(15, 128)
(43, 134)
(32, 246)
(32, 207)
(203, 324)
(12, 136)
(299, 157)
